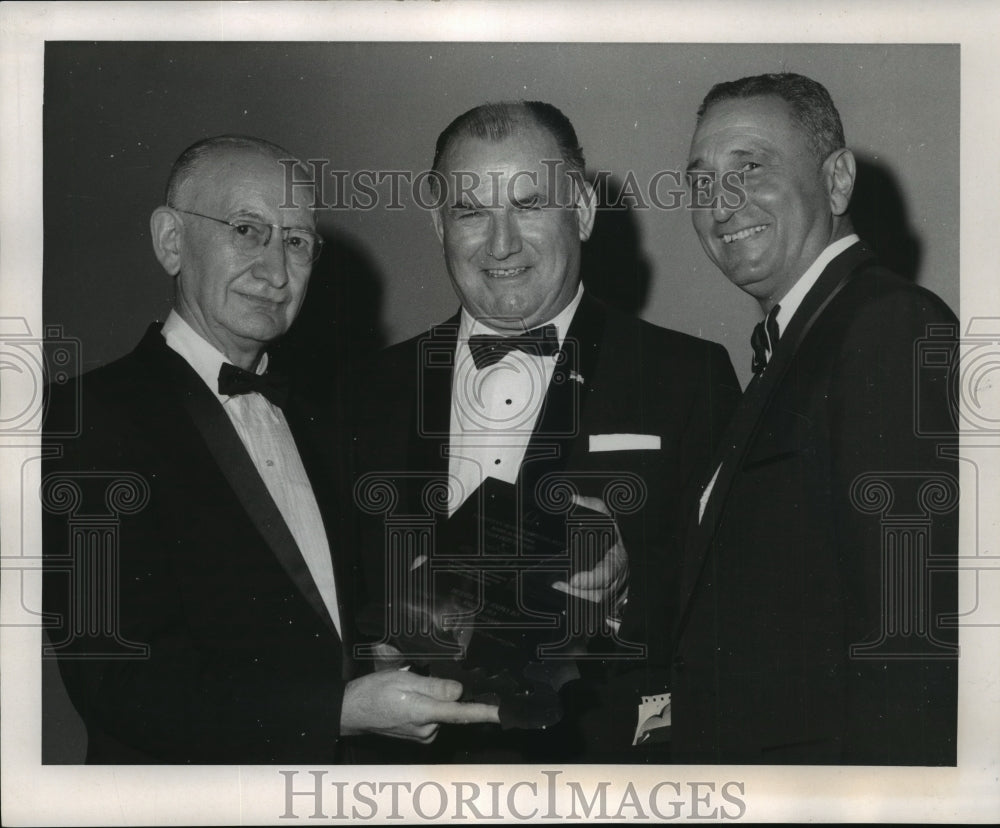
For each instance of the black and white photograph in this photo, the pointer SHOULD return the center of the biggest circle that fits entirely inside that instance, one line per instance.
(498, 412)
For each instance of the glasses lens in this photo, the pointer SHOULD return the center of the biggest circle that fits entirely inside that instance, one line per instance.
(302, 246)
(250, 237)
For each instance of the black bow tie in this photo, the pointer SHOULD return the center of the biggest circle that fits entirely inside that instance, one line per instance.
(488, 349)
(764, 339)
(234, 381)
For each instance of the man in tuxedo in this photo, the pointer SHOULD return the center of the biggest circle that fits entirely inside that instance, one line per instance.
(209, 618)
(818, 592)
(537, 387)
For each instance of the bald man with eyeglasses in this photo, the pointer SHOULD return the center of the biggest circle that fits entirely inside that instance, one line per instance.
(223, 595)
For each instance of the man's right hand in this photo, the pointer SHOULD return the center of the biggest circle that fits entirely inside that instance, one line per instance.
(404, 705)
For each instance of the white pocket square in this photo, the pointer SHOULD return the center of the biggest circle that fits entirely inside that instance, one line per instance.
(623, 442)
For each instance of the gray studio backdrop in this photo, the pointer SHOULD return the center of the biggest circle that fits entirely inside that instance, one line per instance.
(117, 114)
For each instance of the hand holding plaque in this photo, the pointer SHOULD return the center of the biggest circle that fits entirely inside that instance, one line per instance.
(607, 582)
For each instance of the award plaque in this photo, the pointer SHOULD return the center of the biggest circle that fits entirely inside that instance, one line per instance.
(483, 611)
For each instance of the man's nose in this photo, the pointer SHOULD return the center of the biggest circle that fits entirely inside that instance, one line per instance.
(505, 235)
(725, 202)
(272, 264)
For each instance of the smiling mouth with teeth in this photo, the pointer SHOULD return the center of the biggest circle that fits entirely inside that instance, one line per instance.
(505, 273)
(729, 238)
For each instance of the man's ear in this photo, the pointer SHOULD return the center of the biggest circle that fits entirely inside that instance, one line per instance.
(165, 227)
(586, 206)
(839, 171)
(438, 221)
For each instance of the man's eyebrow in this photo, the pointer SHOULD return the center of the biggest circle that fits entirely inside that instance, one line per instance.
(247, 213)
(738, 154)
(252, 214)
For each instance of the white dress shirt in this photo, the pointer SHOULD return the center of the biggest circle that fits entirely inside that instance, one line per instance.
(789, 304)
(264, 432)
(494, 409)
(790, 301)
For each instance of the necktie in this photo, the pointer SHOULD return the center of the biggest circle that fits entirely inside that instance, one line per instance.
(488, 349)
(764, 339)
(234, 381)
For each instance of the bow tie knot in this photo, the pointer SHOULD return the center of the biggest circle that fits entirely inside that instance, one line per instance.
(488, 349)
(234, 381)
(764, 339)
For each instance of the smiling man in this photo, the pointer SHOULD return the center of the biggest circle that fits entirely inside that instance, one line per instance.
(213, 624)
(817, 606)
(535, 387)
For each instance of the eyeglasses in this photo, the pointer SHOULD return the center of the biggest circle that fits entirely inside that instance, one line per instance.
(249, 237)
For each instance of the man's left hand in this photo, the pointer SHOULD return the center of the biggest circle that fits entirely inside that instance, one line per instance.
(607, 582)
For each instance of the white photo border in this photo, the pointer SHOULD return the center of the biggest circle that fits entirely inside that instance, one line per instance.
(36, 794)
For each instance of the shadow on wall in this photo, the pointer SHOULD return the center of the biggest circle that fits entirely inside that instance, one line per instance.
(339, 324)
(613, 266)
(880, 216)
(336, 328)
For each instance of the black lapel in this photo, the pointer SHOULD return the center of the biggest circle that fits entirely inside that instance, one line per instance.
(752, 405)
(560, 421)
(430, 419)
(233, 461)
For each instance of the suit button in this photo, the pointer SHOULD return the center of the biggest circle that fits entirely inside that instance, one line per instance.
(678, 662)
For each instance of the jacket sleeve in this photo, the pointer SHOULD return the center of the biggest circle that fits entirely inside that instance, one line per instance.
(155, 644)
(895, 498)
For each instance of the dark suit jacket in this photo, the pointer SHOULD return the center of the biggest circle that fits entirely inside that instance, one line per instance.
(190, 630)
(787, 570)
(637, 379)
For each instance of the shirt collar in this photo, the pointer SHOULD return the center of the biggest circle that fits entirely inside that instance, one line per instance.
(790, 301)
(201, 355)
(470, 326)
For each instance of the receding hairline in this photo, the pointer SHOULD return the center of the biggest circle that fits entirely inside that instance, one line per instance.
(497, 121)
(520, 127)
(193, 161)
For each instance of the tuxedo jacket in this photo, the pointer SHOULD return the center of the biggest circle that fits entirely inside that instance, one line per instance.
(620, 376)
(816, 614)
(190, 630)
